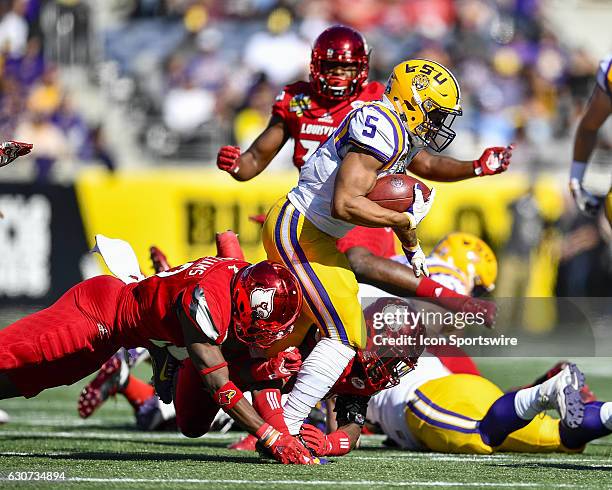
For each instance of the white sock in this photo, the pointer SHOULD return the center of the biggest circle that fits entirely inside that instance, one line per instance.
(605, 414)
(318, 374)
(526, 403)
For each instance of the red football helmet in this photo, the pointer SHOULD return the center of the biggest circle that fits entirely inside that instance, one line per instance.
(266, 299)
(340, 44)
(380, 366)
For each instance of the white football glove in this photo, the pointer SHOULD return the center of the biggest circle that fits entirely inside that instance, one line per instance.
(420, 207)
(416, 257)
(588, 203)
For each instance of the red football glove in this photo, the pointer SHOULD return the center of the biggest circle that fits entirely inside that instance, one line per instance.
(337, 443)
(283, 447)
(494, 160)
(488, 309)
(227, 158)
(285, 364)
(10, 150)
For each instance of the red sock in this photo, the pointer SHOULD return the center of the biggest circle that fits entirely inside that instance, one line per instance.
(268, 405)
(429, 288)
(228, 245)
(137, 391)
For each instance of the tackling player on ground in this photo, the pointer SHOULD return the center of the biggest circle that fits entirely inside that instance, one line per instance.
(433, 408)
(597, 112)
(193, 309)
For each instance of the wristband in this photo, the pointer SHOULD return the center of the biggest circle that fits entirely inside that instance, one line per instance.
(477, 168)
(267, 434)
(338, 443)
(227, 396)
(428, 288)
(209, 370)
(577, 170)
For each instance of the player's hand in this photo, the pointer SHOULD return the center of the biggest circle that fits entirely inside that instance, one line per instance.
(417, 259)
(284, 447)
(314, 440)
(587, 203)
(494, 160)
(486, 308)
(420, 207)
(337, 443)
(284, 365)
(227, 158)
(10, 150)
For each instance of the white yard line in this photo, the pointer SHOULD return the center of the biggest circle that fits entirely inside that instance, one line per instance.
(368, 483)
(523, 458)
(136, 436)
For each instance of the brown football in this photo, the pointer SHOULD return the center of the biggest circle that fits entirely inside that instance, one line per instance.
(395, 191)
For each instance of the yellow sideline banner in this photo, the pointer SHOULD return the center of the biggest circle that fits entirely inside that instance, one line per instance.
(180, 209)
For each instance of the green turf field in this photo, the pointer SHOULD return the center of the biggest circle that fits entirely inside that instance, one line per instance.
(46, 434)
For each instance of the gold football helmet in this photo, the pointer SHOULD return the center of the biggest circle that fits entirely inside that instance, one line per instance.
(427, 97)
(471, 255)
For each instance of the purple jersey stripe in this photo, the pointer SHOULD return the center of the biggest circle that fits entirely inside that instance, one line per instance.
(289, 264)
(439, 408)
(315, 280)
(439, 424)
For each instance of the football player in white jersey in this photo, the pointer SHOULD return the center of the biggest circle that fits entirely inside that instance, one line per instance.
(598, 110)
(420, 103)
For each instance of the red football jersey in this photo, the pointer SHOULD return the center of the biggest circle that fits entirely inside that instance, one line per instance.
(311, 119)
(200, 289)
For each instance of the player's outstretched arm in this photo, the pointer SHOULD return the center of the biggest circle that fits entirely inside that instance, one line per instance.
(441, 168)
(598, 110)
(356, 178)
(210, 363)
(245, 166)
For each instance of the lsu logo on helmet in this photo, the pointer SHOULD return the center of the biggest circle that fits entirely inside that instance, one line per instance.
(262, 302)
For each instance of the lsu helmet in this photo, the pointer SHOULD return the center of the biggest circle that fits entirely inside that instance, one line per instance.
(266, 300)
(427, 97)
(340, 44)
(471, 255)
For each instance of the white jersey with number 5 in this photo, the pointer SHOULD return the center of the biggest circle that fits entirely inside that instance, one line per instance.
(376, 129)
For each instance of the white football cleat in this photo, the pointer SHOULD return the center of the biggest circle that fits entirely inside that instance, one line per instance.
(4, 417)
(562, 393)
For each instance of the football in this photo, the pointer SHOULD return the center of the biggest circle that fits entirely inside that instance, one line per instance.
(395, 191)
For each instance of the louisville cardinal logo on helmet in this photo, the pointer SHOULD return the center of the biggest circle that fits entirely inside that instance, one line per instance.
(262, 302)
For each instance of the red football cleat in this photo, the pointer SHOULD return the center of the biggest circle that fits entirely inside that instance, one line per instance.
(110, 380)
(247, 443)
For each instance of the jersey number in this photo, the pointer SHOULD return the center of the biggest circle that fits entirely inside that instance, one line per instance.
(310, 147)
(371, 131)
(175, 270)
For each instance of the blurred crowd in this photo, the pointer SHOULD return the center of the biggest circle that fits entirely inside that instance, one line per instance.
(207, 70)
(34, 105)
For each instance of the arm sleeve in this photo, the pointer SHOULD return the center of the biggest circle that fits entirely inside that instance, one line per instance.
(374, 129)
(449, 282)
(377, 240)
(202, 315)
(604, 75)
